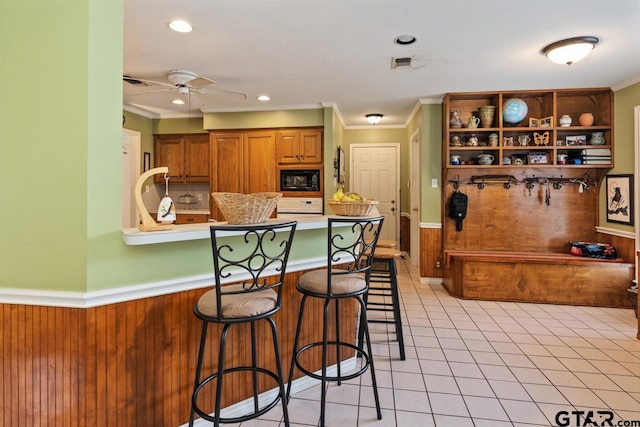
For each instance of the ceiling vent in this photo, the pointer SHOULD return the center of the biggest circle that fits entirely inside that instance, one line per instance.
(402, 62)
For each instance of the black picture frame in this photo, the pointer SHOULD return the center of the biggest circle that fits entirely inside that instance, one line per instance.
(620, 199)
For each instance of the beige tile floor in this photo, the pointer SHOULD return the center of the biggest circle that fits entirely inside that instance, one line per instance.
(486, 364)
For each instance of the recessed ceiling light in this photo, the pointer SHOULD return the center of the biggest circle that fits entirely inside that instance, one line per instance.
(404, 39)
(178, 101)
(264, 98)
(180, 26)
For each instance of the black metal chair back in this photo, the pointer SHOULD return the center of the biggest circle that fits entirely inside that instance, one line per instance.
(351, 243)
(258, 259)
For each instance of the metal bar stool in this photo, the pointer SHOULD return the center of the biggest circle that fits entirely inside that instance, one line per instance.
(346, 276)
(384, 288)
(257, 258)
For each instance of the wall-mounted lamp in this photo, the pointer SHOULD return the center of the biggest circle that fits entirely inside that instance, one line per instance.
(374, 118)
(571, 50)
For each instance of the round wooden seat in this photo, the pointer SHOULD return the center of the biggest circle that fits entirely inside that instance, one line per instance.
(386, 253)
(387, 244)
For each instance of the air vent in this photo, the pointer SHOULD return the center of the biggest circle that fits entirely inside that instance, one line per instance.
(402, 62)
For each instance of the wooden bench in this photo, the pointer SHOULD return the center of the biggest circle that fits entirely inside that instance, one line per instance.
(557, 278)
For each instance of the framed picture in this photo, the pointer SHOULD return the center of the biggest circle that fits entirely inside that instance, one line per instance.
(576, 140)
(620, 199)
(538, 158)
(534, 123)
(546, 122)
(339, 166)
(147, 162)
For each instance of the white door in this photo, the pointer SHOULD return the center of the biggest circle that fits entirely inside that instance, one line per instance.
(374, 173)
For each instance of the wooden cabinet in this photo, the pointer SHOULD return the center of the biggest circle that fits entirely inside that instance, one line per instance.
(534, 142)
(242, 162)
(186, 156)
(299, 146)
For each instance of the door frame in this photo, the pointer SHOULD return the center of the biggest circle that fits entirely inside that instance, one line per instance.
(636, 183)
(414, 196)
(394, 145)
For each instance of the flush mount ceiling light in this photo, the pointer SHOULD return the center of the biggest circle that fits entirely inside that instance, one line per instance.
(570, 50)
(264, 98)
(374, 118)
(180, 26)
(404, 39)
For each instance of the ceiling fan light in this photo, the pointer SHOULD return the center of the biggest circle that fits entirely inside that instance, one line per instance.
(570, 50)
(177, 101)
(180, 26)
(374, 118)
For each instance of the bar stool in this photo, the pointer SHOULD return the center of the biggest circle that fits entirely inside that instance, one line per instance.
(384, 288)
(346, 276)
(256, 257)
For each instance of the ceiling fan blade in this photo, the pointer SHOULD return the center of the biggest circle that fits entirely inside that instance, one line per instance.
(136, 82)
(213, 91)
(169, 89)
(199, 82)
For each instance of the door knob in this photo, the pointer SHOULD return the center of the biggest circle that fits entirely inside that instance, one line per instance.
(415, 209)
(393, 209)
(393, 201)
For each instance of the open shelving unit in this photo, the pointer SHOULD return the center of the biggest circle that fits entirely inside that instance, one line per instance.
(563, 144)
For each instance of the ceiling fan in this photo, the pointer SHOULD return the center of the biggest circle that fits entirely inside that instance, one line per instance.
(183, 82)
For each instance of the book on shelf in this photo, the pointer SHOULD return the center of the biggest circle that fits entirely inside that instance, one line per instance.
(596, 162)
(596, 152)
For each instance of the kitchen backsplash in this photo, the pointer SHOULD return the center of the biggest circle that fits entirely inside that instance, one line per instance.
(156, 192)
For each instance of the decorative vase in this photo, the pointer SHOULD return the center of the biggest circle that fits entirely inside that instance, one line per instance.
(455, 122)
(597, 138)
(565, 121)
(586, 119)
(486, 114)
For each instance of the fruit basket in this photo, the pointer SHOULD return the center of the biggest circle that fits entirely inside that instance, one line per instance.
(362, 208)
(252, 208)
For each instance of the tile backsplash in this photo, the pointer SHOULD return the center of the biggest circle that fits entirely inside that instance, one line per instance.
(156, 192)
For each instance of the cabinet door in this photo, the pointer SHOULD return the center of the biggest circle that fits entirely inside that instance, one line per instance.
(226, 166)
(259, 161)
(288, 146)
(310, 146)
(196, 153)
(169, 152)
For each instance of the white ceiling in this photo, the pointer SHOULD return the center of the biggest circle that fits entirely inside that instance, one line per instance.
(309, 53)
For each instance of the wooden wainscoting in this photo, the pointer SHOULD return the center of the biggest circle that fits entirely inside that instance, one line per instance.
(431, 260)
(127, 364)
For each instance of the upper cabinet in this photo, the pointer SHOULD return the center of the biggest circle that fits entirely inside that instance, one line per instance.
(298, 146)
(243, 161)
(539, 128)
(186, 156)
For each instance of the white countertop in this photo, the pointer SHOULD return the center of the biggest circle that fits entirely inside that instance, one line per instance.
(133, 236)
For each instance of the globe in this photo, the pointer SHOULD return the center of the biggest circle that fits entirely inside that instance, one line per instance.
(514, 111)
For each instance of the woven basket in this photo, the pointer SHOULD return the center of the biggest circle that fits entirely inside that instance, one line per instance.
(352, 208)
(252, 208)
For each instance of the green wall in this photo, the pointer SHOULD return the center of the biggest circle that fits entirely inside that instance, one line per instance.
(61, 179)
(624, 102)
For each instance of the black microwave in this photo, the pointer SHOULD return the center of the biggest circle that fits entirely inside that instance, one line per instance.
(300, 180)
